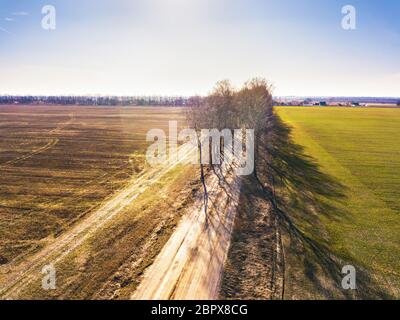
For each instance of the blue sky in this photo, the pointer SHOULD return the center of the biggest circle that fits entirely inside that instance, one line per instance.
(185, 46)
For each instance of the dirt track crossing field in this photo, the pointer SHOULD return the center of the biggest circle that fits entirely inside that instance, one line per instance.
(71, 158)
(57, 163)
(22, 275)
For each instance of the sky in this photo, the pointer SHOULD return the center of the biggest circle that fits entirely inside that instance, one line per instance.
(183, 47)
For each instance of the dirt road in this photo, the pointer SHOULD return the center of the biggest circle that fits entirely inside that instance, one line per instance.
(15, 277)
(191, 263)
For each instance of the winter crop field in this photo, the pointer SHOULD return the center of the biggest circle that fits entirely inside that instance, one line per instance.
(359, 214)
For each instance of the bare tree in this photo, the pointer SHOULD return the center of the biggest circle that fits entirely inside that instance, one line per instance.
(221, 105)
(196, 116)
(226, 108)
(254, 111)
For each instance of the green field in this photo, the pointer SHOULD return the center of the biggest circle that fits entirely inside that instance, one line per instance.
(359, 150)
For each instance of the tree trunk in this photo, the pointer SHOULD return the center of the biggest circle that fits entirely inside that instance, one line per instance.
(202, 176)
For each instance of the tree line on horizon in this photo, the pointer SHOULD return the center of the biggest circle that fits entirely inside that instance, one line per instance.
(96, 100)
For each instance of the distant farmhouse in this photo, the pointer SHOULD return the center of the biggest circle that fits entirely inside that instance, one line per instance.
(320, 103)
(337, 101)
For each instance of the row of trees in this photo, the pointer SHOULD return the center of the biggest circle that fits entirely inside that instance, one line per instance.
(226, 107)
(250, 107)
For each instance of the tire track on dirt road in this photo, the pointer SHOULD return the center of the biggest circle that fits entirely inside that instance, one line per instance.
(190, 265)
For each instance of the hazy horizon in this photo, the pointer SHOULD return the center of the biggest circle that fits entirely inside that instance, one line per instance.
(188, 96)
(176, 47)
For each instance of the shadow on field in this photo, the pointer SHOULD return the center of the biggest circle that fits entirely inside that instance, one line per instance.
(252, 269)
(300, 194)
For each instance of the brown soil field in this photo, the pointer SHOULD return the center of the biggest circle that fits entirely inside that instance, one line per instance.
(57, 163)
(255, 250)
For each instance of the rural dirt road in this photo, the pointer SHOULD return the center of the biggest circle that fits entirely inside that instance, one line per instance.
(191, 263)
(14, 277)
